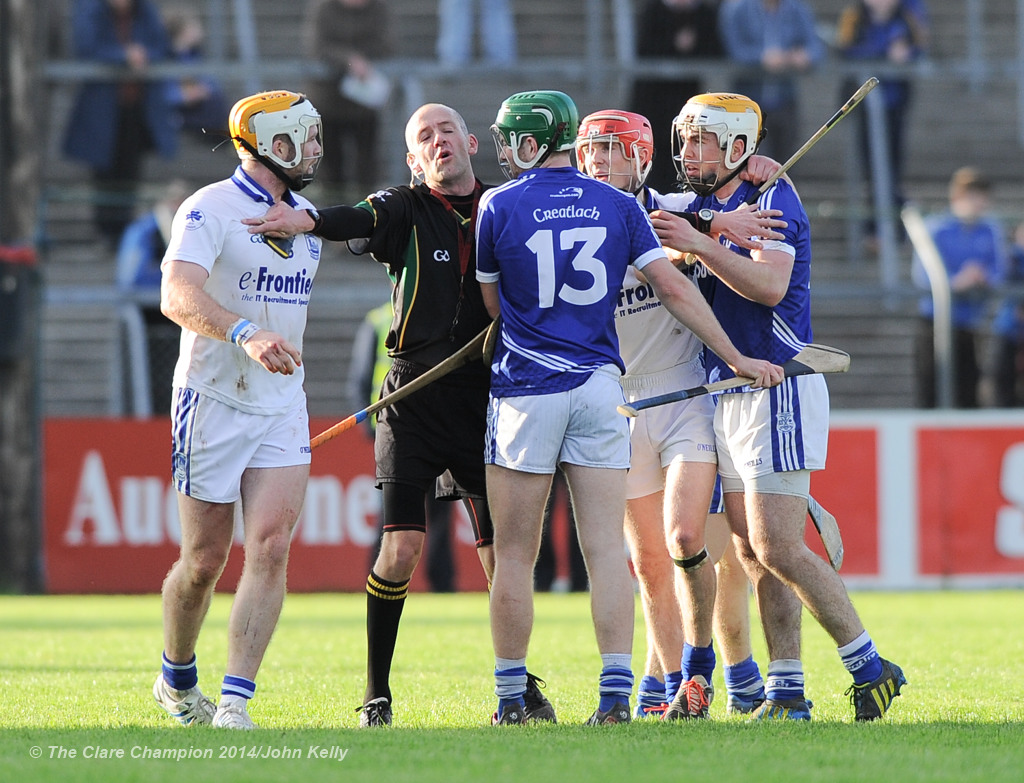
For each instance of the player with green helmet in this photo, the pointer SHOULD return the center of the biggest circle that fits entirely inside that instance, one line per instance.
(549, 116)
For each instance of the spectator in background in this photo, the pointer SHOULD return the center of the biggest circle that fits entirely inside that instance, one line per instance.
(200, 100)
(894, 32)
(348, 37)
(113, 124)
(970, 242)
(680, 30)
(139, 254)
(1008, 333)
(496, 23)
(779, 38)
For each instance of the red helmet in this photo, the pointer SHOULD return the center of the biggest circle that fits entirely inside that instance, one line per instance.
(629, 130)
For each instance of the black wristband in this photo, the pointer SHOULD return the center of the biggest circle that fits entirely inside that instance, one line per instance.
(318, 221)
(689, 217)
(704, 218)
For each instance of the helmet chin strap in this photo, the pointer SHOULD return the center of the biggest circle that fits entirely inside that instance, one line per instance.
(551, 145)
(707, 189)
(290, 182)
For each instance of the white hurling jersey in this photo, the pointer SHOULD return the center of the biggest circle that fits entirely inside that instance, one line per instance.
(246, 277)
(650, 338)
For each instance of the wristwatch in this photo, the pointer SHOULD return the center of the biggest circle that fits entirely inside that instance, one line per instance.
(704, 218)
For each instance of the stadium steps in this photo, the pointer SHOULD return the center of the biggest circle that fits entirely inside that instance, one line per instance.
(946, 122)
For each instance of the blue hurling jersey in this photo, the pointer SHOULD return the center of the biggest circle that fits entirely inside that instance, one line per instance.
(773, 333)
(558, 244)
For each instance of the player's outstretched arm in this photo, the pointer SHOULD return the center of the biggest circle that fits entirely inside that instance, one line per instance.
(335, 224)
(763, 277)
(685, 302)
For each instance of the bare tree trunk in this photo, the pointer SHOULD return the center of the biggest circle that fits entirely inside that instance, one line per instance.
(20, 141)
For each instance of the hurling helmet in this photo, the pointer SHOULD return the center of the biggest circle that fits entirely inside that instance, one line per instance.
(255, 121)
(632, 132)
(728, 116)
(549, 116)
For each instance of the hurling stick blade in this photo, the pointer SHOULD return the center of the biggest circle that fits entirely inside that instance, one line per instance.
(812, 359)
(828, 529)
(491, 340)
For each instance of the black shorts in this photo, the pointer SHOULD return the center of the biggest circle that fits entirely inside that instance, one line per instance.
(440, 427)
(404, 509)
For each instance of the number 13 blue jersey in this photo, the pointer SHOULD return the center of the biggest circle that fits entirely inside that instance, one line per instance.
(558, 244)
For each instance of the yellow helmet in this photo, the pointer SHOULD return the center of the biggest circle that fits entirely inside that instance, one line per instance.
(255, 121)
(728, 116)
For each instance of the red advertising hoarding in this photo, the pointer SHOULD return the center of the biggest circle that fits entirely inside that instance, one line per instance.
(111, 522)
(971, 508)
(919, 503)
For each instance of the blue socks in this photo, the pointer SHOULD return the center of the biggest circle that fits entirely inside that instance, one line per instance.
(785, 680)
(509, 682)
(861, 659)
(237, 686)
(743, 680)
(673, 681)
(651, 692)
(616, 680)
(698, 660)
(180, 676)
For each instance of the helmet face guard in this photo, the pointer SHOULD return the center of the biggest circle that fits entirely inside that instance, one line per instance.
(549, 116)
(630, 132)
(255, 122)
(725, 116)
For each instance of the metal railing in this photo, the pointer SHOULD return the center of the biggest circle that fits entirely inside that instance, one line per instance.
(595, 69)
(942, 300)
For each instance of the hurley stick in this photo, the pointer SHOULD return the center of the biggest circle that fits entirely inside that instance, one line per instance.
(845, 109)
(470, 351)
(812, 359)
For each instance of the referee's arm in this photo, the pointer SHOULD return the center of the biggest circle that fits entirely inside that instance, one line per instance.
(335, 224)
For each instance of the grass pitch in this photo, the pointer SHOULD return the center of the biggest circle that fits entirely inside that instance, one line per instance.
(76, 674)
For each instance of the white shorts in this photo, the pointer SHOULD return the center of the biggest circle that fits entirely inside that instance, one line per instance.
(773, 430)
(215, 443)
(535, 433)
(681, 432)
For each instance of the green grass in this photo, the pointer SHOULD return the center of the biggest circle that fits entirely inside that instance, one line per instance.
(75, 674)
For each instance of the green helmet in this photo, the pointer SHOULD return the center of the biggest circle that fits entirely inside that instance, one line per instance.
(549, 116)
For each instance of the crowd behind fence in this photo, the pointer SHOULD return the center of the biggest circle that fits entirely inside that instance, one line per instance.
(233, 29)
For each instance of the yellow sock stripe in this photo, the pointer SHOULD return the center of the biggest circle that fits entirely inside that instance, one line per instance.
(386, 592)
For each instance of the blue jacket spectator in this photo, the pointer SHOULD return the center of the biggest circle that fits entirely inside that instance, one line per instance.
(971, 244)
(199, 100)
(114, 123)
(780, 38)
(893, 32)
(1008, 331)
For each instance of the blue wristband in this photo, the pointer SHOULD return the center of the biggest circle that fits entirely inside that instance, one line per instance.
(241, 330)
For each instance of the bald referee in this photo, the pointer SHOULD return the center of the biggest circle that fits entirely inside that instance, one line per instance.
(423, 234)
